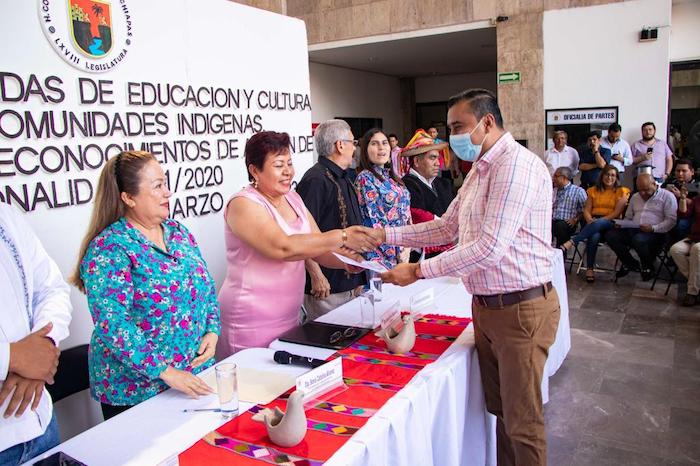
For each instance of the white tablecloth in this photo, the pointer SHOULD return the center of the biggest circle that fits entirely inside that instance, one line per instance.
(438, 418)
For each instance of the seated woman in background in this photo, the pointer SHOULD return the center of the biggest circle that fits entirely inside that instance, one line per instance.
(384, 200)
(606, 201)
(269, 233)
(151, 297)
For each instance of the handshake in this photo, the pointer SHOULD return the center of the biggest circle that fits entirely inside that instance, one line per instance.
(362, 239)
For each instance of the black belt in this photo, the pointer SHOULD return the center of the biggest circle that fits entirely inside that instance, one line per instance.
(508, 299)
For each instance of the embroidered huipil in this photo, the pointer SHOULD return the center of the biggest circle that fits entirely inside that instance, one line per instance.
(502, 218)
(383, 204)
(151, 309)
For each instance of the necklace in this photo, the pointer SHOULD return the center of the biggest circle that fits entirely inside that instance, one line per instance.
(342, 207)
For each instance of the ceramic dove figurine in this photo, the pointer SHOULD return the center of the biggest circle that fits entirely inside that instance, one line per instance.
(285, 429)
(403, 341)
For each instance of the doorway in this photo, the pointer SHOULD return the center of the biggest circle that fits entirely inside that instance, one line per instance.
(432, 115)
(684, 110)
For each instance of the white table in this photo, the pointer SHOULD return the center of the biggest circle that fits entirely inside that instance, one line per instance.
(439, 418)
(422, 424)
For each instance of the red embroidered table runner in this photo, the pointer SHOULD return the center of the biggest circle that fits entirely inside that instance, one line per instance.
(373, 375)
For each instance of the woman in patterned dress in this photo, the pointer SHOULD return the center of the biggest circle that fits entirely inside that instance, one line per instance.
(384, 200)
(151, 297)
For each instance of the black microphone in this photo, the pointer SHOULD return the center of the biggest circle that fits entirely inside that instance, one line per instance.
(283, 357)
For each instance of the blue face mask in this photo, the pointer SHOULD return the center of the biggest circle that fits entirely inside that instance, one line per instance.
(463, 146)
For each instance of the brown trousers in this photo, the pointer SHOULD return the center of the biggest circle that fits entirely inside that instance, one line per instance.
(512, 344)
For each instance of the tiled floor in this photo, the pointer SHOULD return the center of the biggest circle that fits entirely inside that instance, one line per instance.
(629, 391)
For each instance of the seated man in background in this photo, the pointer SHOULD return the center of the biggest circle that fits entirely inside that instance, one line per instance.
(653, 211)
(683, 185)
(686, 253)
(561, 155)
(430, 194)
(592, 159)
(567, 206)
(36, 312)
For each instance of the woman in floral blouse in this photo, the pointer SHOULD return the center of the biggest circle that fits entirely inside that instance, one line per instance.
(384, 200)
(151, 297)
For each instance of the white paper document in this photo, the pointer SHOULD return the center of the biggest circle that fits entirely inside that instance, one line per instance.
(626, 224)
(369, 265)
(254, 386)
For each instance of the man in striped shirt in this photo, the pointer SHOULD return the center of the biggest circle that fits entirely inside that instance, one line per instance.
(567, 209)
(501, 219)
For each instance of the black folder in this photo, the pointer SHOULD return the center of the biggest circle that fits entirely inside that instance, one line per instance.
(319, 334)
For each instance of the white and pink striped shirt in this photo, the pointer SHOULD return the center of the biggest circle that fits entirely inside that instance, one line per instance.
(501, 218)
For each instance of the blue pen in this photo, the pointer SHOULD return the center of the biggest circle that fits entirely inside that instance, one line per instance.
(213, 410)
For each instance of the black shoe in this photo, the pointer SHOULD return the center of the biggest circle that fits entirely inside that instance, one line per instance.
(689, 300)
(647, 274)
(623, 272)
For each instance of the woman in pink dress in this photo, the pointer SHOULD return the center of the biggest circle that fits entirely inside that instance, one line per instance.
(269, 234)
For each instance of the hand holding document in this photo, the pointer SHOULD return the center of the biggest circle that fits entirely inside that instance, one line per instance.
(626, 223)
(368, 265)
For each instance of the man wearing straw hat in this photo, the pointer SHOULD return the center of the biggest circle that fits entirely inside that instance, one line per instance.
(502, 221)
(430, 194)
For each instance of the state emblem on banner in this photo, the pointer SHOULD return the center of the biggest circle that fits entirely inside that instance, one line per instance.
(90, 35)
(91, 26)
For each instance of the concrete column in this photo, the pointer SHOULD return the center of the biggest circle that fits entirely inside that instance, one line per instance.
(520, 48)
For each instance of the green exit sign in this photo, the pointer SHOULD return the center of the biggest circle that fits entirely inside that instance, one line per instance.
(509, 77)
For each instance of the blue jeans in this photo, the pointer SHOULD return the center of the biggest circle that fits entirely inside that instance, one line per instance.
(647, 245)
(23, 452)
(592, 234)
(683, 227)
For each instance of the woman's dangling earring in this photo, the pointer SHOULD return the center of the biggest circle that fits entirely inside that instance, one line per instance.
(255, 184)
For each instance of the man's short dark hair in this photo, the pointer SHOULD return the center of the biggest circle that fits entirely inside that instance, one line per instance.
(685, 162)
(392, 135)
(595, 133)
(481, 102)
(649, 123)
(614, 128)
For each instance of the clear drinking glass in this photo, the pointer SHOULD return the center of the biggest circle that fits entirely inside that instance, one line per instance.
(227, 388)
(375, 286)
(367, 317)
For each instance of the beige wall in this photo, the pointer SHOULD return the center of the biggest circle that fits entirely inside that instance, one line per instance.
(441, 88)
(342, 92)
(520, 46)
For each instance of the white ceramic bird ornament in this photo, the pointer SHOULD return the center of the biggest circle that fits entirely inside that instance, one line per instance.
(285, 429)
(402, 341)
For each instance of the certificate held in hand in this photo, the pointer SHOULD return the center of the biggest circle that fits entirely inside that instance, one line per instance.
(626, 223)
